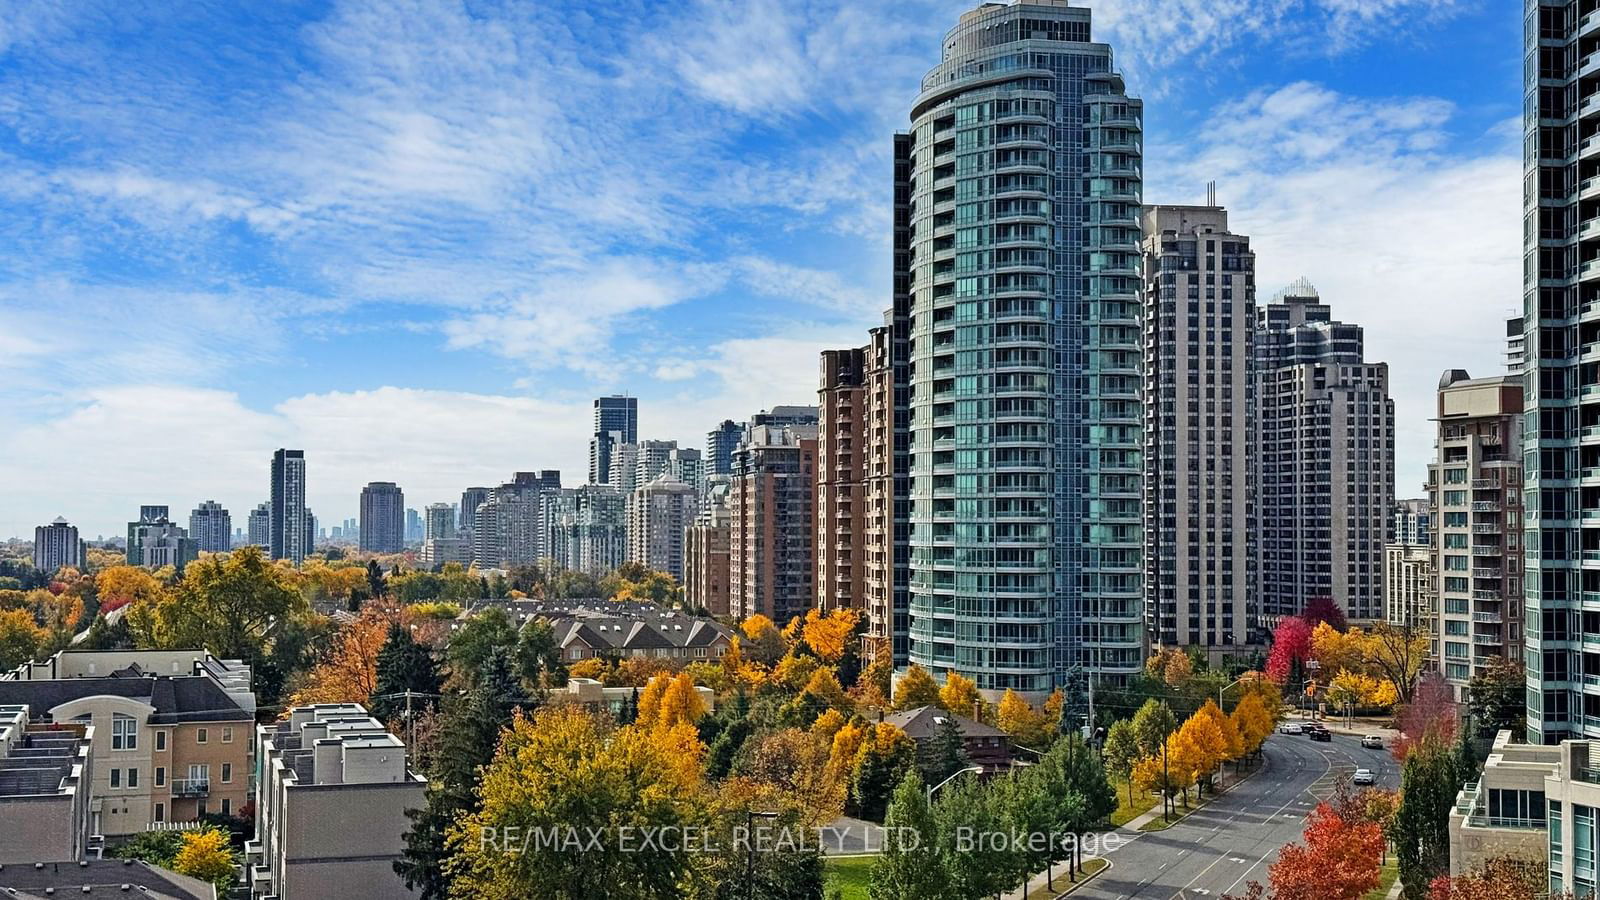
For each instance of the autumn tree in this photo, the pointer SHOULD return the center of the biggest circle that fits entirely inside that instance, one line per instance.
(231, 605)
(1339, 860)
(1428, 715)
(916, 688)
(1291, 648)
(1322, 609)
(1498, 878)
(1171, 665)
(205, 855)
(348, 671)
(1027, 726)
(959, 694)
(119, 586)
(829, 635)
(883, 758)
(1153, 725)
(567, 768)
(20, 638)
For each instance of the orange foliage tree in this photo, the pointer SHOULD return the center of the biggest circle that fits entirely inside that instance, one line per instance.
(1338, 861)
(348, 671)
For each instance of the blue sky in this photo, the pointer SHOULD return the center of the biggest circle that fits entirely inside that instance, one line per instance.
(416, 238)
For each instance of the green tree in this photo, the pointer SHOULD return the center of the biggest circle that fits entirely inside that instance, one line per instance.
(1421, 829)
(1152, 725)
(909, 868)
(539, 657)
(403, 665)
(375, 586)
(1497, 697)
(1121, 751)
(478, 638)
(963, 808)
(885, 756)
(229, 605)
(945, 755)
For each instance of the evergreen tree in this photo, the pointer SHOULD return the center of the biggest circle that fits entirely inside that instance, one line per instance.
(630, 709)
(483, 588)
(1466, 757)
(909, 866)
(469, 733)
(945, 755)
(1421, 828)
(539, 657)
(403, 665)
(374, 578)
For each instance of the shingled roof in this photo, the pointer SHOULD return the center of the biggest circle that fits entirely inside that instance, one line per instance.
(923, 723)
(186, 698)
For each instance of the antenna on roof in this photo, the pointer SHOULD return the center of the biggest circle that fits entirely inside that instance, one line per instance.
(1211, 193)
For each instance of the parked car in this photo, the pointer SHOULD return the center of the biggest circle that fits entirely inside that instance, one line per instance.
(1373, 742)
(1321, 734)
(1364, 776)
(1289, 728)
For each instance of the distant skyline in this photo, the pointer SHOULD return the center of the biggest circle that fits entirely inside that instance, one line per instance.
(417, 242)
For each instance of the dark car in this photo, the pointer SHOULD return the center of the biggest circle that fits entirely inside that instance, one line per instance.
(1321, 734)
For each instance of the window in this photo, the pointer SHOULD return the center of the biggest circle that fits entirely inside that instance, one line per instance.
(161, 740)
(227, 806)
(133, 778)
(200, 807)
(116, 778)
(200, 736)
(227, 773)
(161, 776)
(227, 734)
(161, 812)
(124, 732)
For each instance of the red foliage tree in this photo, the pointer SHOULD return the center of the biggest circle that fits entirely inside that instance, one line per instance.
(1291, 643)
(1500, 878)
(1431, 715)
(1322, 609)
(1339, 860)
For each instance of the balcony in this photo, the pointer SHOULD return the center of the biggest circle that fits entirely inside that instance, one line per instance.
(1589, 64)
(1488, 618)
(1589, 187)
(1485, 506)
(1589, 146)
(191, 787)
(1589, 24)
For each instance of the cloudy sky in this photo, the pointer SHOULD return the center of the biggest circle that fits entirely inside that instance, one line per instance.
(416, 237)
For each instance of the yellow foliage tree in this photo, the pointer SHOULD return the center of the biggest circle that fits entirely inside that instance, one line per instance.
(680, 704)
(794, 670)
(829, 635)
(119, 586)
(1026, 725)
(20, 638)
(847, 742)
(1171, 665)
(1252, 721)
(916, 688)
(959, 694)
(650, 701)
(593, 667)
(825, 686)
(827, 725)
(205, 855)
(1338, 651)
(1200, 744)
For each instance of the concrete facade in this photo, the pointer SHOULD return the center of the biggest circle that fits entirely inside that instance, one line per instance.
(1504, 813)
(770, 545)
(841, 489)
(658, 515)
(56, 545)
(383, 518)
(46, 773)
(705, 554)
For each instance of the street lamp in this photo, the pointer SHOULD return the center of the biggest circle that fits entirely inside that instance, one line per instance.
(958, 774)
(1229, 685)
(750, 861)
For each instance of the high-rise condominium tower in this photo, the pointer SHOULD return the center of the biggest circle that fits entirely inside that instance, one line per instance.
(149, 514)
(260, 526)
(770, 542)
(211, 527)
(1199, 527)
(1325, 470)
(721, 442)
(441, 521)
(841, 537)
(56, 545)
(289, 535)
(383, 522)
(1025, 184)
(1561, 321)
(616, 421)
(1476, 483)
(659, 514)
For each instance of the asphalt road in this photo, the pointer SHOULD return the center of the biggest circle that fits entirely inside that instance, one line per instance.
(1219, 849)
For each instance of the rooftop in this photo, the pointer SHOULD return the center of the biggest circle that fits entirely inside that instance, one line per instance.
(100, 878)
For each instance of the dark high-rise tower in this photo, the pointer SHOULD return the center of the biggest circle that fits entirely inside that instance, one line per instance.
(616, 421)
(288, 537)
(1025, 472)
(383, 517)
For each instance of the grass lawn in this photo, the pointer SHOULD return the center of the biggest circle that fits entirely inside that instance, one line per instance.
(1387, 876)
(1043, 891)
(849, 875)
(1143, 802)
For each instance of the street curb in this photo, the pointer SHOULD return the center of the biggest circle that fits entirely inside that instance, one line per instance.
(1196, 808)
(1102, 870)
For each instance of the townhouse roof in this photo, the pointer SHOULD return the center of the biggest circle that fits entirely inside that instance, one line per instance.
(924, 722)
(100, 878)
(185, 698)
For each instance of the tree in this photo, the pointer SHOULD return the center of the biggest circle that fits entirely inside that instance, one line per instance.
(908, 868)
(1497, 697)
(120, 585)
(1499, 878)
(1421, 830)
(229, 605)
(476, 639)
(959, 694)
(1252, 721)
(567, 768)
(403, 665)
(1339, 860)
(1121, 751)
(20, 638)
(539, 656)
(348, 671)
(1428, 715)
(945, 754)
(1321, 609)
(1016, 717)
(375, 586)
(885, 756)
(1291, 647)
(916, 688)
(1153, 725)
(205, 855)
(1398, 653)
(1170, 665)
(829, 635)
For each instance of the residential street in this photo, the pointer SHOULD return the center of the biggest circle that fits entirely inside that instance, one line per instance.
(1220, 848)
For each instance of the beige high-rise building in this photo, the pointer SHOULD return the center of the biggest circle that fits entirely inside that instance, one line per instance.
(1199, 518)
(1476, 486)
(659, 513)
(770, 547)
(1325, 466)
(1410, 591)
(705, 553)
(841, 537)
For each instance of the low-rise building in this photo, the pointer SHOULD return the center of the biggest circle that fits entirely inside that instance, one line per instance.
(984, 745)
(1503, 812)
(165, 747)
(438, 551)
(102, 878)
(45, 774)
(332, 792)
(1572, 799)
(591, 692)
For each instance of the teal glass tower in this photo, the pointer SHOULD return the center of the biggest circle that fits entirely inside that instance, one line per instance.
(1025, 465)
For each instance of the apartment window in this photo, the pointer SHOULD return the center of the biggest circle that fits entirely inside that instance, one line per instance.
(227, 734)
(200, 807)
(161, 776)
(124, 732)
(116, 778)
(161, 812)
(133, 778)
(201, 736)
(161, 740)
(227, 773)
(227, 806)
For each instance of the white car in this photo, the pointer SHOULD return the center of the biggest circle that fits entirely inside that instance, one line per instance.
(1364, 776)
(1372, 742)
(1290, 728)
